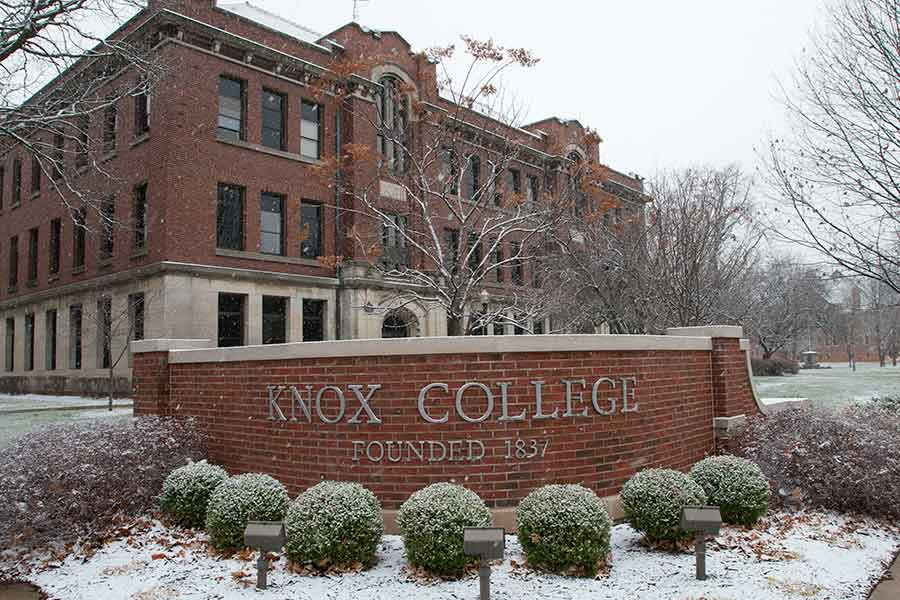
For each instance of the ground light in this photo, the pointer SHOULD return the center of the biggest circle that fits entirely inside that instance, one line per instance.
(703, 521)
(487, 543)
(265, 536)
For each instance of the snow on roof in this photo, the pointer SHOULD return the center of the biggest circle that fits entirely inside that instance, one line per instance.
(272, 21)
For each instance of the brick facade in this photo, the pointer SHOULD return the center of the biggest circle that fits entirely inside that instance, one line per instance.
(678, 394)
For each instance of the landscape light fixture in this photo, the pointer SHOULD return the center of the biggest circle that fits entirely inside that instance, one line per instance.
(487, 543)
(265, 536)
(703, 521)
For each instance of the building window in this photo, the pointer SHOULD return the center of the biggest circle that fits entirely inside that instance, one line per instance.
(579, 198)
(391, 106)
(393, 241)
(108, 218)
(230, 217)
(32, 255)
(472, 180)
(104, 333)
(59, 151)
(532, 190)
(498, 259)
(313, 320)
(110, 119)
(451, 247)
(231, 320)
(141, 113)
(271, 223)
(14, 261)
(29, 342)
(538, 328)
(231, 109)
(310, 230)
(17, 181)
(272, 119)
(499, 328)
(514, 181)
(50, 340)
(35, 174)
(79, 228)
(139, 212)
(449, 171)
(518, 270)
(274, 319)
(136, 315)
(10, 343)
(311, 130)
(75, 336)
(84, 124)
(398, 323)
(473, 249)
(2, 186)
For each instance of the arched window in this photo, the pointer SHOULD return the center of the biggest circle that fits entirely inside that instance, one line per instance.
(399, 323)
(393, 121)
(579, 198)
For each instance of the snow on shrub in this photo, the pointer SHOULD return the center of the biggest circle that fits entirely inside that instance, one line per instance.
(653, 500)
(65, 482)
(187, 489)
(736, 485)
(432, 522)
(563, 527)
(334, 523)
(243, 498)
(845, 459)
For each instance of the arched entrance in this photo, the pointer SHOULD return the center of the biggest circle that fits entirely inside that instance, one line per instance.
(399, 323)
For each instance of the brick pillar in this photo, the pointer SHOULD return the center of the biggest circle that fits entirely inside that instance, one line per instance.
(733, 398)
(150, 373)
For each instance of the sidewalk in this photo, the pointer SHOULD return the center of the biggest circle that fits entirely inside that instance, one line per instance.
(889, 589)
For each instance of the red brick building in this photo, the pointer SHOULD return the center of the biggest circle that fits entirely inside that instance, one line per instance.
(225, 221)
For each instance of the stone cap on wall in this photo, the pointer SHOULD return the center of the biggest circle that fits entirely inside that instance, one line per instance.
(713, 331)
(199, 351)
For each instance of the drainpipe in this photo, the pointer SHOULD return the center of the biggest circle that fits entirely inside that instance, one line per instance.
(338, 194)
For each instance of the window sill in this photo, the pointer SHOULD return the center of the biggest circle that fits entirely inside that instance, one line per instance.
(140, 139)
(270, 151)
(78, 270)
(290, 260)
(139, 253)
(31, 283)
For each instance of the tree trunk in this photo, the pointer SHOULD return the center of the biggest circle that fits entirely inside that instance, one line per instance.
(454, 326)
(111, 388)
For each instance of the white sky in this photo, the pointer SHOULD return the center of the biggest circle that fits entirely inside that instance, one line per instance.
(667, 83)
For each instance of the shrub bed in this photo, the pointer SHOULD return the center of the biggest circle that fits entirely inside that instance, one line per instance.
(653, 500)
(432, 522)
(334, 524)
(62, 483)
(243, 498)
(736, 485)
(564, 528)
(773, 367)
(186, 491)
(846, 459)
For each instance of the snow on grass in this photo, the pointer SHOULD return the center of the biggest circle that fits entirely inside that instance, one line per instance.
(808, 555)
(14, 425)
(833, 387)
(43, 401)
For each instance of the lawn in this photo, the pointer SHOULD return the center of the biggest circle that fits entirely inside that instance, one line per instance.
(833, 387)
(20, 414)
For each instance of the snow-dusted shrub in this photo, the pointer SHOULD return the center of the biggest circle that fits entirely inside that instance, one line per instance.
(432, 522)
(563, 527)
(334, 523)
(186, 491)
(736, 485)
(243, 498)
(844, 459)
(64, 482)
(653, 500)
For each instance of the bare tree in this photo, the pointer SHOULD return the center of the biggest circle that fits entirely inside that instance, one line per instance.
(837, 173)
(449, 215)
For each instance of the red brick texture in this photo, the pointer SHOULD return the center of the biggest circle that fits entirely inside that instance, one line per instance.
(676, 395)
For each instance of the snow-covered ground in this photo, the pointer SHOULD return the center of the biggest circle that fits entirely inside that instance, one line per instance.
(10, 402)
(22, 413)
(820, 556)
(833, 387)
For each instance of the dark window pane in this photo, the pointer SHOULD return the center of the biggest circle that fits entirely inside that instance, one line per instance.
(230, 218)
(79, 221)
(110, 117)
(104, 333)
(274, 320)
(17, 182)
(55, 231)
(310, 230)
(32, 254)
(231, 109)
(271, 223)
(29, 342)
(35, 174)
(108, 218)
(75, 336)
(136, 314)
(313, 320)
(273, 120)
(231, 320)
(50, 340)
(13, 261)
(139, 217)
(10, 343)
(141, 113)
(310, 130)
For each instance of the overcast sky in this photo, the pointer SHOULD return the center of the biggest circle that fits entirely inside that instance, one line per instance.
(666, 83)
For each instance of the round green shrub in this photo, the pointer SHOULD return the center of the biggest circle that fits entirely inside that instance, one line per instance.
(186, 491)
(432, 522)
(736, 485)
(653, 500)
(334, 523)
(563, 527)
(247, 497)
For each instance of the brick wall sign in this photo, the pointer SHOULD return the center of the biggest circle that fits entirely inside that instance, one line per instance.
(501, 415)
